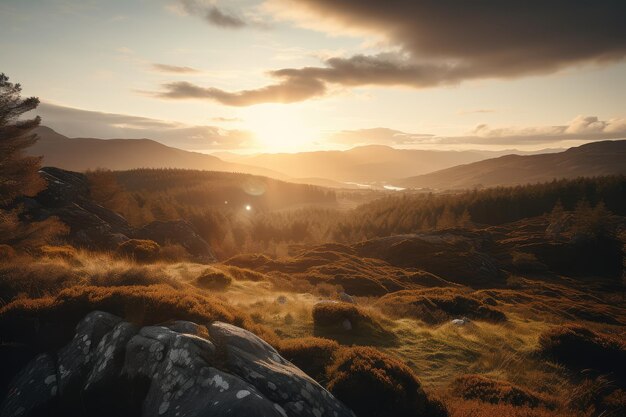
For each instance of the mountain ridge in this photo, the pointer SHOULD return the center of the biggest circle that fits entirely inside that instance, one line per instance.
(587, 160)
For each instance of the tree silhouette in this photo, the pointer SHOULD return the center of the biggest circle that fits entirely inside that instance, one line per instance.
(18, 172)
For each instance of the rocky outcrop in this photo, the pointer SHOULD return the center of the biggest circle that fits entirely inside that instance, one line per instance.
(112, 367)
(96, 227)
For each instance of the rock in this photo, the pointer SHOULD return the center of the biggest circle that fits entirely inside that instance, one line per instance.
(112, 367)
(276, 378)
(461, 322)
(34, 391)
(346, 298)
(346, 325)
(93, 226)
(75, 360)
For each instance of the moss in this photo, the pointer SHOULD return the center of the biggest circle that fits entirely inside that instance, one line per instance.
(374, 384)
(139, 250)
(311, 354)
(476, 387)
(438, 305)
(214, 280)
(580, 348)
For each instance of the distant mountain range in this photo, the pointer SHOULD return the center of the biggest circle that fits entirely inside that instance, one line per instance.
(81, 154)
(343, 169)
(589, 160)
(363, 164)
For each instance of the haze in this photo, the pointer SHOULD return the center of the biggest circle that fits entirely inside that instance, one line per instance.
(283, 75)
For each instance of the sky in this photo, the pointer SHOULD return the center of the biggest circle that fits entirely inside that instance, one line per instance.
(299, 75)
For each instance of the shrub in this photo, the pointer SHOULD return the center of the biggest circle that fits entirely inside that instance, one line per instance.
(124, 274)
(580, 348)
(7, 252)
(214, 280)
(333, 314)
(311, 354)
(374, 384)
(48, 322)
(476, 387)
(139, 250)
(64, 252)
(437, 305)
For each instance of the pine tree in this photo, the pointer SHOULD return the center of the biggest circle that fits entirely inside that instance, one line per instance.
(18, 172)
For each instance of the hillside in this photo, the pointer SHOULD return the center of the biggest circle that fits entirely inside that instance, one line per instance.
(361, 164)
(589, 160)
(81, 154)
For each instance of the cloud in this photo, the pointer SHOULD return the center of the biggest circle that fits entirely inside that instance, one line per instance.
(581, 128)
(212, 14)
(439, 43)
(173, 69)
(290, 89)
(74, 122)
(379, 135)
(586, 128)
(227, 119)
(477, 111)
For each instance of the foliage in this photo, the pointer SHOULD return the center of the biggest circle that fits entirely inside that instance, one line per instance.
(579, 347)
(495, 392)
(438, 305)
(214, 280)
(311, 354)
(374, 384)
(18, 173)
(332, 313)
(139, 249)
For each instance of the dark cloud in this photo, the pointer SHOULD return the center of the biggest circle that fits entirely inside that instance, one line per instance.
(83, 123)
(212, 14)
(504, 37)
(173, 69)
(290, 89)
(440, 43)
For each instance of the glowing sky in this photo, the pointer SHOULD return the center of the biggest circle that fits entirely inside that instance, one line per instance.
(290, 75)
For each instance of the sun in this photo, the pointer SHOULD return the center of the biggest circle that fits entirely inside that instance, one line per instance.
(280, 128)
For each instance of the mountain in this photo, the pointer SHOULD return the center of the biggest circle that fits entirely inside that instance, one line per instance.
(370, 163)
(589, 160)
(81, 154)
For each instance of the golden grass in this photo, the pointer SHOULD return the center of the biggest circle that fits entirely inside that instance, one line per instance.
(48, 294)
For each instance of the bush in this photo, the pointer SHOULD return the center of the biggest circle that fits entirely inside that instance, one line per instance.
(64, 252)
(374, 384)
(580, 348)
(476, 387)
(139, 250)
(214, 280)
(438, 305)
(7, 252)
(48, 322)
(311, 354)
(333, 314)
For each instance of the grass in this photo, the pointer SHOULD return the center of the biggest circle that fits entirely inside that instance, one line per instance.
(45, 295)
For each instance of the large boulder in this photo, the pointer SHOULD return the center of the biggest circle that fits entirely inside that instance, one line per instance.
(111, 367)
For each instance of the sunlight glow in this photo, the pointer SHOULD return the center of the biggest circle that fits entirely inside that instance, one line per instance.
(280, 128)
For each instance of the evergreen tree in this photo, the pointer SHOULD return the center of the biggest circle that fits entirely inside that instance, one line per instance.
(18, 172)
